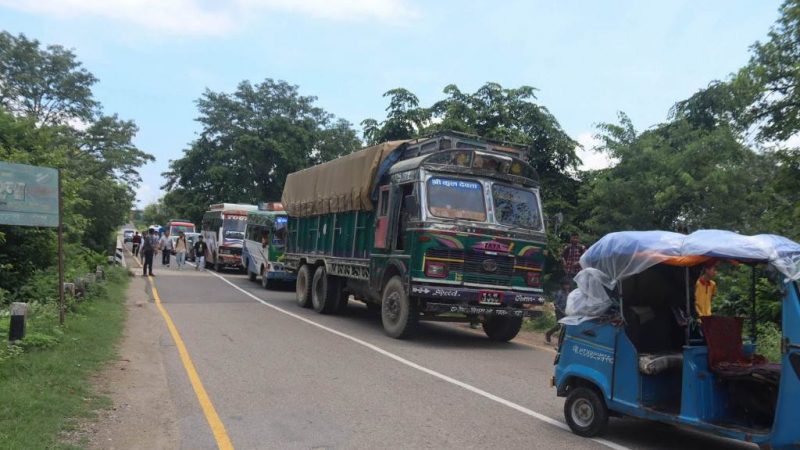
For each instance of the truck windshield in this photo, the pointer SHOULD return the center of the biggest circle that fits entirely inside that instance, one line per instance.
(455, 198)
(516, 207)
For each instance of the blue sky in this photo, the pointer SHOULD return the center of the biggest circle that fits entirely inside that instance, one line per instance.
(588, 59)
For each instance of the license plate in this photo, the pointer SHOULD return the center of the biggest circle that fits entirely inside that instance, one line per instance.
(491, 298)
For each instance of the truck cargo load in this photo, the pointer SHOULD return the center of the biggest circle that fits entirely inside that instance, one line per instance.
(344, 184)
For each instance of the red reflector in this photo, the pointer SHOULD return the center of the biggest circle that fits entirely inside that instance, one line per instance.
(424, 239)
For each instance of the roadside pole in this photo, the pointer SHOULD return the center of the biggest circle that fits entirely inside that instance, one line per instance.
(61, 306)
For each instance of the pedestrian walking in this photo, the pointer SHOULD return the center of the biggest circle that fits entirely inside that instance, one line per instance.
(560, 306)
(136, 243)
(571, 256)
(167, 247)
(181, 248)
(149, 249)
(200, 249)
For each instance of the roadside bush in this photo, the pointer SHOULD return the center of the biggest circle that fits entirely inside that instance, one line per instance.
(542, 323)
(769, 341)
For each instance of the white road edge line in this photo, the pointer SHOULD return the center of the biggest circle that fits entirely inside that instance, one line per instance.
(414, 365)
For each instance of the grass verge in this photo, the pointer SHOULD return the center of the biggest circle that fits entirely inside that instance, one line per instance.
(542, 323)
(44, 382)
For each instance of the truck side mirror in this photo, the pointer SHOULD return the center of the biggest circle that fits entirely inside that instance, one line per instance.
(411, 206)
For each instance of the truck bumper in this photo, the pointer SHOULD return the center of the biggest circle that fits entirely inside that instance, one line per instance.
(230, 260)
(282, 276)
(477, 301)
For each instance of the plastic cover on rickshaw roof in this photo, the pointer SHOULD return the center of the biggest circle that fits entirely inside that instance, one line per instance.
(619, 255)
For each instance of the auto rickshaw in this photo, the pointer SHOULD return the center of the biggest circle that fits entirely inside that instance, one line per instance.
(632, 346)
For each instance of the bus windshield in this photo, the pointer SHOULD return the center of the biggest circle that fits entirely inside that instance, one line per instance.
(233, 227)
(455, 198)
(279, 236)
(516, 207)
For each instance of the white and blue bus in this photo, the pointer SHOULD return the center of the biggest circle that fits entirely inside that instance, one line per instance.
(265, 237)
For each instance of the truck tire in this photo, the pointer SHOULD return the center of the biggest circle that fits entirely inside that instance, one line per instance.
(303, 286)
(502, 329)
(399, 313)
(325, 292)
(586, 412)
(217, 265)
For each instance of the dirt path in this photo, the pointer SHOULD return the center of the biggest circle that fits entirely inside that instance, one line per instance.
(142, 415)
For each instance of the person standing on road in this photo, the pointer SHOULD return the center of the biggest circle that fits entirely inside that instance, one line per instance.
(166, 247)
(136, 242)
(149, 249)
(560, 306)
(200, 249)
(181, 247)
(571, 256)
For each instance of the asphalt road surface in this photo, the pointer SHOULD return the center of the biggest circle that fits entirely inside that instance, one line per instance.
(280, 376)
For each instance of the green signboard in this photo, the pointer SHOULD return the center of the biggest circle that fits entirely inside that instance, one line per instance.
(28, 195)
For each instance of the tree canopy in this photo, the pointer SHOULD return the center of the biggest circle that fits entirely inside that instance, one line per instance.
(251, 140)
(44, 94)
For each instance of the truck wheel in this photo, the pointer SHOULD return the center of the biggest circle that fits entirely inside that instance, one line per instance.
(586, 412)
(502, 329)
(325, 292)
(303, 286)
(399, 314)
(217, 266)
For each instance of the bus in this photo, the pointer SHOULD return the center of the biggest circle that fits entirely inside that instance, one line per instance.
(177, 226)
(264, 240)
(223, 231)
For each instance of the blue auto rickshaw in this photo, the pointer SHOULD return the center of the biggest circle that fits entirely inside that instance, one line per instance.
(631, 345)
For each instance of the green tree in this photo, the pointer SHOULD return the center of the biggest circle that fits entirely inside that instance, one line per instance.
(774, 69)
(44, 92)
(251, 140)
(48, 85)
(676, 176)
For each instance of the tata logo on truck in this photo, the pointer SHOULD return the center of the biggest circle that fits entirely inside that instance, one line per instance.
(491, 246)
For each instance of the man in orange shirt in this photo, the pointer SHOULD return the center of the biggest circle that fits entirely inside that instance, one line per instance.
(704, 290)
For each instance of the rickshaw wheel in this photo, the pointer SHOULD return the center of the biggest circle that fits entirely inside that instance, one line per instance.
(586, 412)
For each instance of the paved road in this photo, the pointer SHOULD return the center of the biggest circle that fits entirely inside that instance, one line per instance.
(303, 380)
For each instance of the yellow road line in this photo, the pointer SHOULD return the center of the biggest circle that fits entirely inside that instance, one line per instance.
(217, 427)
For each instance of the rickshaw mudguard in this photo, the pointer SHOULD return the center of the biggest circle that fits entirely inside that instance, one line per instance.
(587, 353)
(785, 429)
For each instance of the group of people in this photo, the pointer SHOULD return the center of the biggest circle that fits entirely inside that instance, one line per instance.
(704, 288)
(151, 244)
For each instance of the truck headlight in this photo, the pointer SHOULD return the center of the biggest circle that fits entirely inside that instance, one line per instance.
(435, 269)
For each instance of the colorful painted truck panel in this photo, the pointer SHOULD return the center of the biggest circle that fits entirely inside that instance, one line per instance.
(447, 227)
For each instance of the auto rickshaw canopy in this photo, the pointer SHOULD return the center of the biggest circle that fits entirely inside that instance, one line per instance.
(623, 254)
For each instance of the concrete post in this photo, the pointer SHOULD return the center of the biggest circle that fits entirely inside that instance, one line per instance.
(19, 311)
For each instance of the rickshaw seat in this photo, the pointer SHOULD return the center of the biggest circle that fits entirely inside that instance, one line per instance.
(726, 355)
(654, 364)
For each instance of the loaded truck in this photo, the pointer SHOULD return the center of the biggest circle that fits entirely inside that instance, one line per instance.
(446, 228)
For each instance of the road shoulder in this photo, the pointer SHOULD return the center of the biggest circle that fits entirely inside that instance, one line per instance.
(142, 415)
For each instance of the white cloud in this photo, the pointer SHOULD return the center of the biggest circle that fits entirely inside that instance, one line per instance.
(146, 195)
(592, 159)
(199, 17)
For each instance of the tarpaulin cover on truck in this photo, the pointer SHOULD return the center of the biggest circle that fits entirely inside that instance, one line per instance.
(343, 184)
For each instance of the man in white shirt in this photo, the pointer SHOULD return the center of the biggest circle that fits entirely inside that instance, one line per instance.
(166, 246)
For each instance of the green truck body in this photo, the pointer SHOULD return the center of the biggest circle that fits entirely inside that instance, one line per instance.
(447, 227)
